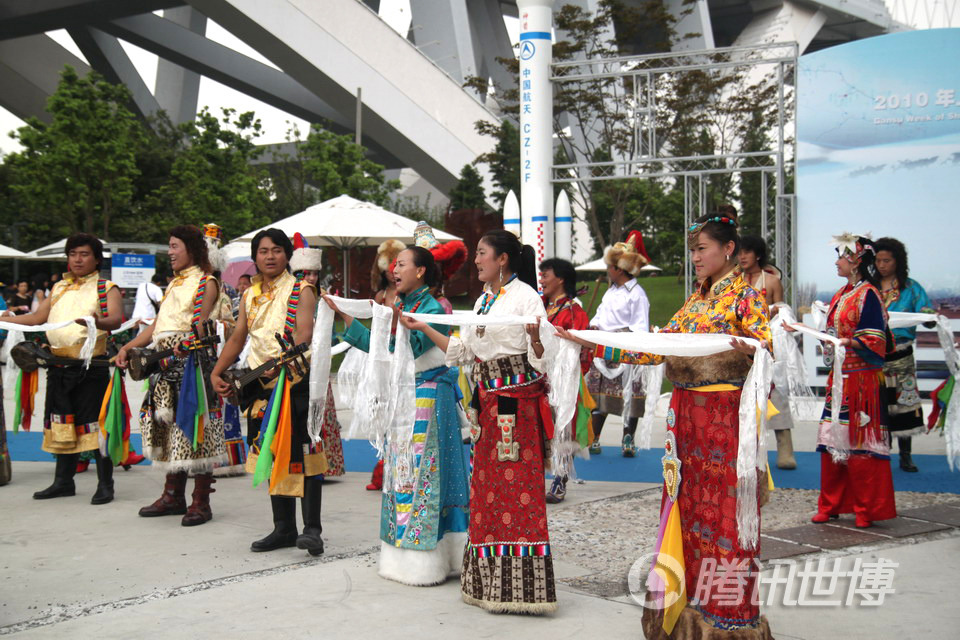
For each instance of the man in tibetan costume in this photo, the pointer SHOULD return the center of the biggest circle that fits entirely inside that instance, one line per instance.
(181, 426)
(285, 453)
(624, 307)
(232, 430)
(75, 392)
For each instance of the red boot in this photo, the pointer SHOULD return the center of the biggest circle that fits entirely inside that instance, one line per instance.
(199, 511)
(132, 458)
(172, 502)
(82, 465)
(376, 480)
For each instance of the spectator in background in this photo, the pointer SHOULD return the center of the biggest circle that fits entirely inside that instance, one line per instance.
(3, 306)
(41, 289)
(22, 298)
(243, 283)
(147, 301)
(757, 271)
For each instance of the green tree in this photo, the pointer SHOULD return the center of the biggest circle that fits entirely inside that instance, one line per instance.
(292, 191)
(77, 172)
(335, 165)
(468, 192)
(504, 160)
(212, 178)
(148, 219)
(752, 205)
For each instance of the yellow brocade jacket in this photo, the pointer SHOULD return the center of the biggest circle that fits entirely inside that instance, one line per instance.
(265, 305)
(73, 298)
(176, 308)
(732, 307)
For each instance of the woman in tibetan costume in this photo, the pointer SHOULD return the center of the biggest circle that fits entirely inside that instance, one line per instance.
(425, 502)
(702, 448)
(855, 454)
(507, 565)
(901, 293)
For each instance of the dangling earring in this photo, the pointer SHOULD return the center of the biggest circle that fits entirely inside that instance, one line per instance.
(500, 281)
(726, 258)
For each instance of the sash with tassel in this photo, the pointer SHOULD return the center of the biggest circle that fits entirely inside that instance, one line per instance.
(273, 447)
(115, 420)
(24, 393)
(666, 579)
(192, 402)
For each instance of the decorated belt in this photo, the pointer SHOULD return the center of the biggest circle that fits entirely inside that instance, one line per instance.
(73, 351)
(508, 371)
(900, 353)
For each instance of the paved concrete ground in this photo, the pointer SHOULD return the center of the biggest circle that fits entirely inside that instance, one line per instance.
(70, 569)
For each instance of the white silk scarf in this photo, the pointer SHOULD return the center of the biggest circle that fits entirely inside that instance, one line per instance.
(789, 371)
(903, 320)
(751, 451)
(15, 336)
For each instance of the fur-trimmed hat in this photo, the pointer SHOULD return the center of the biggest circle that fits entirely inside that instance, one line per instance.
(852, 246)
(213, 236)
(449, 256)
(304, 257)
(631, 256)
(387, 254)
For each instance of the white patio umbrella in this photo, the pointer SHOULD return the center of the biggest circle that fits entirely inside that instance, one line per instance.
(344, 222)
(10, 252)
(54, 250)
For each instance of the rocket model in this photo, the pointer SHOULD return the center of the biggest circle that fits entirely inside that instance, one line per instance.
(563, 227)
(536, 126)
(511, 213)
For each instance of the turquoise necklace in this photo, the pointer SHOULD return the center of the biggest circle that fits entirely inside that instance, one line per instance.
(487, 303)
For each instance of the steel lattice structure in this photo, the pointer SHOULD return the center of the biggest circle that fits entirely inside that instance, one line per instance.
(635, 77)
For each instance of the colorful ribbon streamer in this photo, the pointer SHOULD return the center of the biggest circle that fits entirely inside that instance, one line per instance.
(25, 392)
(268, 430)
(191, 403)
(115, 420)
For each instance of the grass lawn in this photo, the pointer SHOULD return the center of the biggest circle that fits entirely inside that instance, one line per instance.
(664, 292)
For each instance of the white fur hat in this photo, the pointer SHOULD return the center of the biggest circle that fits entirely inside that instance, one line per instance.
(304, 257)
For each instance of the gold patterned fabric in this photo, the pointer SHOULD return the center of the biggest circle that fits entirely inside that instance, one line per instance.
(265, 304)
(73, 298)
(176, 308)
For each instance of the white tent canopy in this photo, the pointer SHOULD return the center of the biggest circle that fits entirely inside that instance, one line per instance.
(346, 222)
(55, 250)
(52, 251)
(10, 252)
(600, 265)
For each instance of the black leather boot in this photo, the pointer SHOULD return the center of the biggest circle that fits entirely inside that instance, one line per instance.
(906, 460)
(62, 478)
(284, 532)
(627, 446)
(597, 419)
(104, 492)
(312, 494)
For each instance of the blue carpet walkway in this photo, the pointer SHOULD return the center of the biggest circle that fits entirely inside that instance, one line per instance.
(934, 476)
